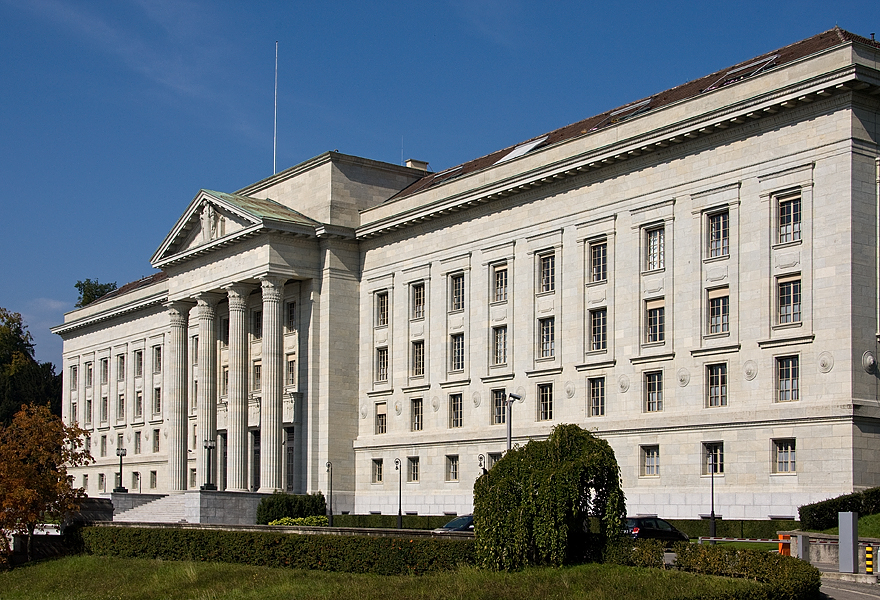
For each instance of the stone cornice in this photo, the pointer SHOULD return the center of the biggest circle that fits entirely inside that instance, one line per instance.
(731, 115)
(157, 299)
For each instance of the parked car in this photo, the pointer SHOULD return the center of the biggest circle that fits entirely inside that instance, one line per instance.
(463, 523)
(641, 528)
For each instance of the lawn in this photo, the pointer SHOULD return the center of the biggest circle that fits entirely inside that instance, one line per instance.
(99, 578)
(869, 526)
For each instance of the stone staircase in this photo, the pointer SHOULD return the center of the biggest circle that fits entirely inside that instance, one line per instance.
(169, 509)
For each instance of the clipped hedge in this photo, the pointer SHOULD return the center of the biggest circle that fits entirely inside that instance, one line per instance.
(782, 577)
(352, 554)
(737, 528)
(316, 521)
(390, 521)
(823, 515)
(280, 505)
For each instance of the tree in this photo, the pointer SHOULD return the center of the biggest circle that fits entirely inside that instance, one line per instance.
(539, 504)
(23, 380)
(89, 291)
(35, 451)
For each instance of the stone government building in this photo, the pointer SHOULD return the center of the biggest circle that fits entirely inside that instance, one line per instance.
(693, 276)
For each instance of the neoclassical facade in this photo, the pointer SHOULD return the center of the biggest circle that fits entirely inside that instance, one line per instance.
(693, 276)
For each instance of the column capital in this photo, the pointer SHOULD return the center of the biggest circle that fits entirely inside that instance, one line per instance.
(273, 287)
(238, 293)
(178, 312)
(210, 299)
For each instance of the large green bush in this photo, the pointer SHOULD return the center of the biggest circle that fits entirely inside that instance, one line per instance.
(823, 515)
(354, 554)
(736, 528)
(390, 521)
(280, 505)
(534, 506)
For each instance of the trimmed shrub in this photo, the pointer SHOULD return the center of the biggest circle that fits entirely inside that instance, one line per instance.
(736, 528)
(317, 521)
(783, 577)
(280, 505)
(534, 506)
(823, 515)
(623, 550)
(353, 554)
(390, 521)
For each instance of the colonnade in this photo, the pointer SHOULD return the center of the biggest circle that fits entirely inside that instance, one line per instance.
(271, 388)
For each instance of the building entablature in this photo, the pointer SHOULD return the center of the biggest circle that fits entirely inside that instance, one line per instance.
(677, 124)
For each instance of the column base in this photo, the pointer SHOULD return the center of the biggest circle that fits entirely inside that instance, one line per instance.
(208, 487)
(120, 490)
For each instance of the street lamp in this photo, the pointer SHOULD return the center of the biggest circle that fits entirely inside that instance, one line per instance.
(399, 494)
(209, 445)
(120, 452)
(712, 493)
(330, 506)
(508, 417)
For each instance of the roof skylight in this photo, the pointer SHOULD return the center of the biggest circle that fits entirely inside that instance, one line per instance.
(522, 149)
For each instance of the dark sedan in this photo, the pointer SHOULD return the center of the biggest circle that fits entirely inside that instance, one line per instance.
(465, 523)
(653, 528)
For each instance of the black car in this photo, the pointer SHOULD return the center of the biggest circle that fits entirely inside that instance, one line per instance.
(463, 523)
(642, 528)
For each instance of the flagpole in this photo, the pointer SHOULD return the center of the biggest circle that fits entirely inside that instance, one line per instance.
(275, 128)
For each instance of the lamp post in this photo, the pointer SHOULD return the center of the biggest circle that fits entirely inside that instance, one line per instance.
(712, 493)
(209, 446)
(481, 461)
(508, 416)
(330, 505)
(399, 494)
(120, 452)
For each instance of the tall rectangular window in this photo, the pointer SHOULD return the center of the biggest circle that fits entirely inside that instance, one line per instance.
(456, 292)
(499, 345)
(719, 238)
(105, 408)
(154, 480)
(650, 461)
(412, 470)
(455, 410)
(597, 396)
(789, 219)
(378, 475)
(120, 367)
(138, 363)
(257, 377)
(787, 379)
(157, 401)
(138, 404)
(381, 309)
(789, 299)
(381, 417)
(499, 283)
(784, 456)
(499, 407)
(381, 364)
(224, 381)
(88, 411)
(103, 445)
(88, 374)
(654, 249)
(545, 401)
(452, 467)
(418, 358)
(713, 458)
(717, 389)
(157, 359)
(120, 407)
(291, 316)
(224, 331)
(137, 442)
(418, 301)
(548, 272)
(290, 378)
(548, 337)
(194, 349)
(102, 482)
(456, 342)
(719, 310)
(655, 317)
(155, 440)
(654, 391)
(257, 326)
(416, 414)
(599, 261)
(599, 329)
(74, 372)
(105, 370)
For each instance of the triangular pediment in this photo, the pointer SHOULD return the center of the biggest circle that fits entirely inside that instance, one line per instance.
(215, 219)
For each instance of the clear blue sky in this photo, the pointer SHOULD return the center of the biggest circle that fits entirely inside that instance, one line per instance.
(114, 114)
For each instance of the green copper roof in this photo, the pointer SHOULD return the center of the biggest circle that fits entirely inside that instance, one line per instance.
(264, 208)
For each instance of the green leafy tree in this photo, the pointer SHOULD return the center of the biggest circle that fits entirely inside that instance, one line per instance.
(551, 502)
(23, 380)
(89, 291)
(35, 450)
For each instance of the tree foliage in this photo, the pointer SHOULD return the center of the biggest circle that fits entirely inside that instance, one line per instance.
(35, 451)
(23, 380)
(89, 291)
(536, 505)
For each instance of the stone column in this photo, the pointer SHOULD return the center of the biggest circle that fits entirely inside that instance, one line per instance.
(236, 433)
(175, 385)
(271, 455)
(206, 399)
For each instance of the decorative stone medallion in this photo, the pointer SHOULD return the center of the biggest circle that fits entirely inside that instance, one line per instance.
(398, 407)
(363, 411)
(623, 383)
(435, 402)
(750, 370)
(476, 398)
(684, 377)
(825, 362)
(521, 392)
(569, 389)
(869, 362)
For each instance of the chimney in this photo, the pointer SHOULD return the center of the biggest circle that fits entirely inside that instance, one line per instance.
(421, 165)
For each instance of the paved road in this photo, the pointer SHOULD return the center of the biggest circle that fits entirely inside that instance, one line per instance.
(844, 590)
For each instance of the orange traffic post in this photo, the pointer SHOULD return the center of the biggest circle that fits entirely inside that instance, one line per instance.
(784, 549)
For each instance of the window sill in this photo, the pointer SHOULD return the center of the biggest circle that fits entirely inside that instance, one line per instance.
(653, 271)
(498, 302)
(544, 293)
(792, 474)
(784, 326)
(596, 283)
(783, 245)
(714, 259)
